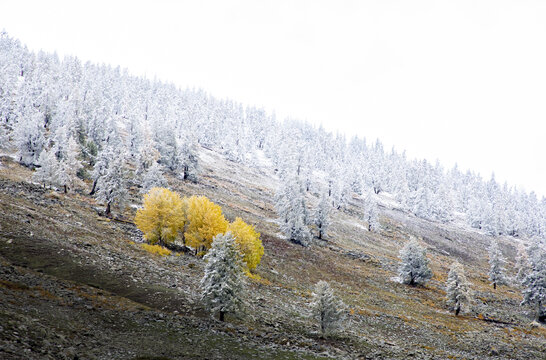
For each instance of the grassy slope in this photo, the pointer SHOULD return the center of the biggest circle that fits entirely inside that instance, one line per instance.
(63, 237)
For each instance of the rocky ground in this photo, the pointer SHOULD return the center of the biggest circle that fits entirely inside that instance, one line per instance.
(74, 284)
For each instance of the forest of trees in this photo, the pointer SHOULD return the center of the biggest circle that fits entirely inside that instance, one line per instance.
(72, 122)
(85, 121)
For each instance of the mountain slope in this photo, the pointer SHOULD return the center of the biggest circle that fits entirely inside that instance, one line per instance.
(64, 268)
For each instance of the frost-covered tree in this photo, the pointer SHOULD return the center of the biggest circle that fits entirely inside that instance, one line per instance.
(29, 138)
(189, 161)
(521, 264)
(46, 173)
(457, 289)
(371, 213)
(496, 265)
(322, 215)
(112, 187)
(68, 166)
(292, 210)
(223, 282)
(153, 177)
(414, 267)
(327, 308)
(534, 284)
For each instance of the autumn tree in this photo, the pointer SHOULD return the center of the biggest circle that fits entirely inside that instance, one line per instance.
(248, 242)
(161, 217)
(205, 221)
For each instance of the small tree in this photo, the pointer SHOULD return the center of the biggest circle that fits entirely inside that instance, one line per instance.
(161, 217)
(457, 289)
(153, 178)
(46, 173)
(223, 281)
(371, 213)
(68, 166)
(414, 267)
(522, 264)
(205, 221)
(327, 308)
(534, 291)
(322, 215)
(496, 265)
(248, 242)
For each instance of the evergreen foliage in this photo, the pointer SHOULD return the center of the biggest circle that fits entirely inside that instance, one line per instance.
(223, 282)
(496, 265)
(534, 284)
(413, 269)
(457, 289)
(153, 177)
(322, 215)
(328, 309)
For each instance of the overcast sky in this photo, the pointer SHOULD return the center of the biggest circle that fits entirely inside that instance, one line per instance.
(459, 81)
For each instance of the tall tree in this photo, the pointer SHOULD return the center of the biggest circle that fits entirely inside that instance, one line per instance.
(534, 292)
(322, 215)
(457, 289)
(496, 265)
(112, 187)
(327, 308)
(223, 282)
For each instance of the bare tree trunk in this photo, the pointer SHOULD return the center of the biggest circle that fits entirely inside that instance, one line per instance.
(108, 210)
(93, 190)
(458, 310)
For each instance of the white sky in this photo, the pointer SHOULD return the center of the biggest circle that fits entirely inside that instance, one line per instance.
(461, 81)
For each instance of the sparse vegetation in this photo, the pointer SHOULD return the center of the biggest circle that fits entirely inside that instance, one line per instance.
(156, 250)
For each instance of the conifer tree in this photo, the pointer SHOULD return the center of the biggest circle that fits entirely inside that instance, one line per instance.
(322, 215)
(414, 267)
(112, 187)
(46, 173)
(29, 138)
(522, 264)
(496, 265)
(292, 210)
(223, 282)
(327, 308)
(68, 166)
(371, 213)
(534, 284)
(153, 177)
(457, 289)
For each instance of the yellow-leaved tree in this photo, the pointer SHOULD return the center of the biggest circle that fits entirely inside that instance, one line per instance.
(248, 242)
(205, 221)
(161, 217)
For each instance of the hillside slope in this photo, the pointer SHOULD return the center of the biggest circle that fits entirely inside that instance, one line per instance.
(73, 283)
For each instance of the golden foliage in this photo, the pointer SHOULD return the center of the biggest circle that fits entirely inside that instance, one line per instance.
(161, 217)
(248, 242)
(205, 221)
(156, 249)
